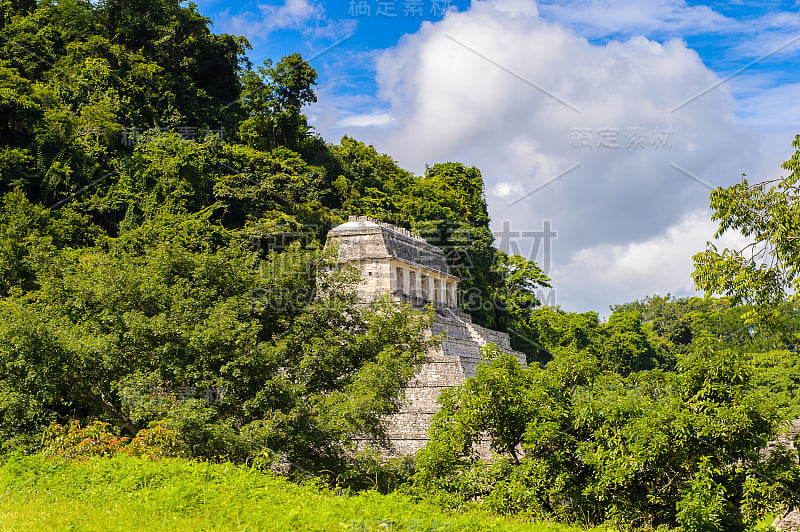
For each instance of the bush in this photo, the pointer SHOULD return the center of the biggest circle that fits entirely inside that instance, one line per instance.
(156, 442)
(653, 449)
(73, 442)
(370, 470)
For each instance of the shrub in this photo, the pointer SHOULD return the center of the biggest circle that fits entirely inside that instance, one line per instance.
(73, 442)
(156, 442)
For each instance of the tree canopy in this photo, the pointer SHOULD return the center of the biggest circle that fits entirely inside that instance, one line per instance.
(765, 273)
(163, 207)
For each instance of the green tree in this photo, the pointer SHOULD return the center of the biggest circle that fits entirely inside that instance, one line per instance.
(765, 272)
(777, 376)
(75, 74)
(496, 409)
(520, 279)
(272, 100)
(668, 316)
(622, 344)
(137, 336)
(678, 449)
(370, 183)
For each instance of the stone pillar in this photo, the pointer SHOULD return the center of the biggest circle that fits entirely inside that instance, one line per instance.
(399, 281)
(437, 290)
(413, 281)
(452, 294)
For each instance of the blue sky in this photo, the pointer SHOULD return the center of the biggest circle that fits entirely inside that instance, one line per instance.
(609, 120)
(728, 36)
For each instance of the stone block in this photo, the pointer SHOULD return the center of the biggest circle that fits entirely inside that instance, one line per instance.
(395, 261)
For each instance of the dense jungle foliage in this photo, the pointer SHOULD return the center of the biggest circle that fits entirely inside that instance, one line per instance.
(163, 209)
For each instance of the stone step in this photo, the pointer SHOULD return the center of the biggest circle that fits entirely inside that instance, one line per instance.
(449, 365)
(419, 397)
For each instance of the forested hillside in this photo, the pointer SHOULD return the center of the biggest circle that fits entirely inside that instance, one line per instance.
(163, 290)
(101, 119)
(163, 209)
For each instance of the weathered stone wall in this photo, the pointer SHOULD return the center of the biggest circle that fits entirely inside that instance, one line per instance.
(377, 279)
(395, 261)
(788, 522)
(453, 362)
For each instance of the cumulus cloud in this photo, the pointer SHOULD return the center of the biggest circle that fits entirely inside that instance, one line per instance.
(612, 142)
(290, 14)
(599, 18)
(662, 263)
(364, 120)
(305, 15)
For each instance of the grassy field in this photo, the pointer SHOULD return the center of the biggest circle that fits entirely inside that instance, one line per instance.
(125, 493)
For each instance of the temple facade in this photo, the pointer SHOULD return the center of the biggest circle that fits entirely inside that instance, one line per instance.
(395, 261)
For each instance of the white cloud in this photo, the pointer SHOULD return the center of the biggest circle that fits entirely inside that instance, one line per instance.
(506, 190)
(366, 120)
(517, 96)
(291, 14)
(771, 43)
(306, 16)
(600, 18)
(776, 106)
(658, 265)
(772, 28)
(517, 7)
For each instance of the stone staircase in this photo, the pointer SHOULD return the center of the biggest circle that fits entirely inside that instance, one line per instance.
(449, 365)
(790, 520)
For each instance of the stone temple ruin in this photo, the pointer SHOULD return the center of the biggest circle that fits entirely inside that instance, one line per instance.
(789, 520)
(394, 260)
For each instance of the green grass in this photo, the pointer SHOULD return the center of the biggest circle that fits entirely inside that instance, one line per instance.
(125, 493)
